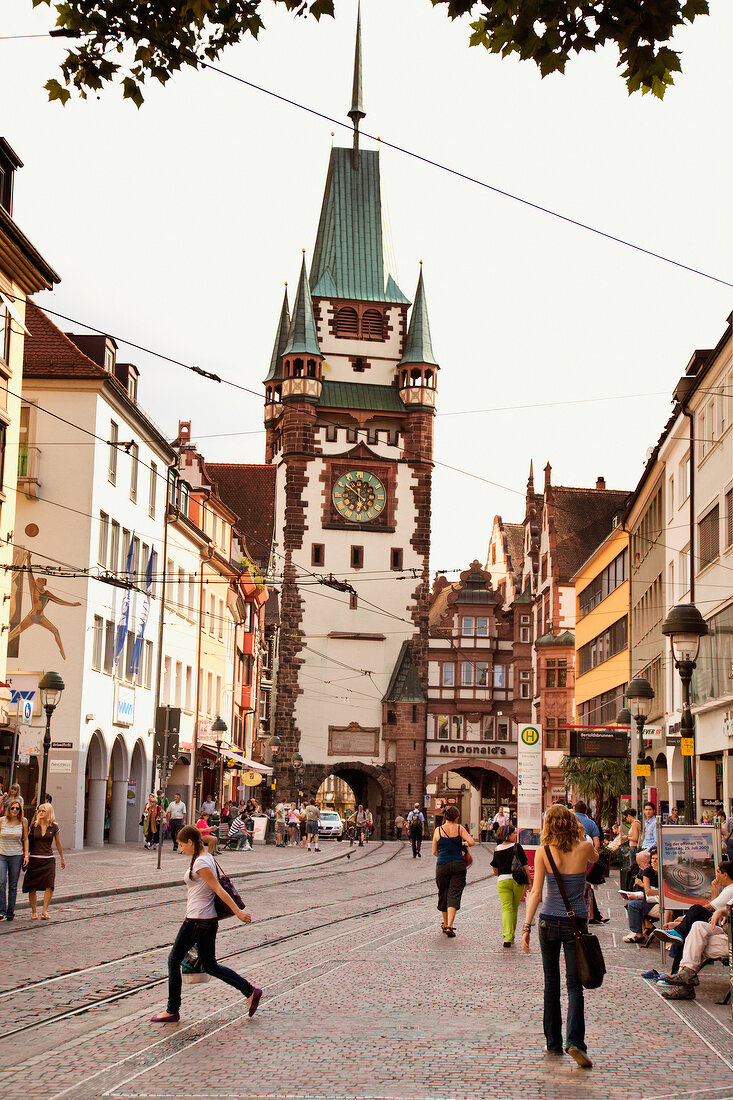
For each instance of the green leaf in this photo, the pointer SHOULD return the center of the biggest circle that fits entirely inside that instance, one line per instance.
(131, 90)
(56, 91)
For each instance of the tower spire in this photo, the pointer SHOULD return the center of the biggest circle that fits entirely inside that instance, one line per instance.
(357, 112)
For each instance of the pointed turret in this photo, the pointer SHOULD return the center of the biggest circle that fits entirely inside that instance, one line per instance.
(273, 382)
(357, 112)
(301, 358)
(418, 366)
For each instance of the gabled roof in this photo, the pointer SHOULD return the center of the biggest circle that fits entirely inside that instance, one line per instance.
(249, 490)
(48, 352)
(349, 259)
(582, 520)
(404, 686)
(418, 345)
(302, 334)
(276, 366)
(360, 395)
(564, 639)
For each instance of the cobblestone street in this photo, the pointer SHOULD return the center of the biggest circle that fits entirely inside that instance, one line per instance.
(364, 998)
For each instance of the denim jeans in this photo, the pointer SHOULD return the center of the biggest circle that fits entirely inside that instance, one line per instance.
(9, 873)
(637, 910)
(555, 934)
(202, 933)
(694, 913)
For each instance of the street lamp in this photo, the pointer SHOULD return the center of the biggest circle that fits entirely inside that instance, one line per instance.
(219, 728)
(685, 626)
(639, 694)
(50, 686)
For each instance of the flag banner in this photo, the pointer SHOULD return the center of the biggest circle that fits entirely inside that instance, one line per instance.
(121, 635)
(138, 647)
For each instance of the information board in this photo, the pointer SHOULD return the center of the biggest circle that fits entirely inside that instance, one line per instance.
(599, 742)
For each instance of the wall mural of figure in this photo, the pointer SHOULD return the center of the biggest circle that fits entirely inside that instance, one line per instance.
(40, 596)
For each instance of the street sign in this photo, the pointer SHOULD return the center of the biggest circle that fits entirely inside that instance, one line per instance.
(59, 766)
(62, 744)
(687, 745)
(173, 716)
(27, 710)
(643, 769)
(599, 742)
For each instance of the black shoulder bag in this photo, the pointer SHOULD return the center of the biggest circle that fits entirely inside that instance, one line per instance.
(222, 909)
(589, 957)
(519, 869)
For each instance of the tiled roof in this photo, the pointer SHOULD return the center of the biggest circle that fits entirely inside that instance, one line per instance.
(514, 544)
(582, 521)
(249, 490)
(349, 257)
(360, 395)
(48, 352)
(302, 335)
(281, 339)
(418, 345)
(404, 685)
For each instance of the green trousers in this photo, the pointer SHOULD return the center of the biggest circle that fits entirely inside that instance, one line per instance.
(510, 895)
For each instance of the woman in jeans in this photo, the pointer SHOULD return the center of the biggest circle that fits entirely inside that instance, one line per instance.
(450, 870)
(200, 927)
(564, 836)
(13, 854)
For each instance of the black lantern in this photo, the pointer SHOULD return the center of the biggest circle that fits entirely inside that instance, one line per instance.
(51, 687)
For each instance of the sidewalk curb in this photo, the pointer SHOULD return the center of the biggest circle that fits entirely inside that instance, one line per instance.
(148, 886)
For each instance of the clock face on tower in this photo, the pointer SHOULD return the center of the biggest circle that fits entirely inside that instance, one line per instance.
(359, 496)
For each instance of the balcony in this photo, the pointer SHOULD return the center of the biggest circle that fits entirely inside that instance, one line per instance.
(29, 466)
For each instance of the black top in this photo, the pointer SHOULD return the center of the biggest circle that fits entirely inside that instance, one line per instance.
(502, 858)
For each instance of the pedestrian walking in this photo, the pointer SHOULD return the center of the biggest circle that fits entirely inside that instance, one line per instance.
(280, 825)
(13, 854)
(563, 836)
(359, 819)
(292, 825)
(484, 826)
(399, 824)
(312, 817)
(416, 823)
(200, 927)
(41, 870)
(449, 841)
(150, 822)
(176, 818)
(510, 892)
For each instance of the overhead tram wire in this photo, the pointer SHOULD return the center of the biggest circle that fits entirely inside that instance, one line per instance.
(426, 160)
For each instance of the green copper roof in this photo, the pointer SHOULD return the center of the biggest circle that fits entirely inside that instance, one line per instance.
(275, 371)
(302, 336)
(418, 345)
(361, 395)
(349, 258)
(566, 638)
(404, 685)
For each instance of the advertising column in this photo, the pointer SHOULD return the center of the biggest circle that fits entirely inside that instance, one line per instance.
(529, 785)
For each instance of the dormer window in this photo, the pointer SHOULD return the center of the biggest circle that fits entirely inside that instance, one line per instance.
(352, 324)
(347, 322)
(109, 359)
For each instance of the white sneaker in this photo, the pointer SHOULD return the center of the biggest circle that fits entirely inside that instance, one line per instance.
(309, 847)
(317, 848)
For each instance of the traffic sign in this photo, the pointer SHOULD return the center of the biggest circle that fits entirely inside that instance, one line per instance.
(643, 769)
(687, 744)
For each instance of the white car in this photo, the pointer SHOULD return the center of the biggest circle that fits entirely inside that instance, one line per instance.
(330, 824)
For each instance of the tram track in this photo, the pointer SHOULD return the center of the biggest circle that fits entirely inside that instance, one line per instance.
(140, 987)
(116, 911)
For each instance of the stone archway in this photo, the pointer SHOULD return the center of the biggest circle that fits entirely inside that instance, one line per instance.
(139, 775)
(492, 781)
(119, 773)
(97, 770)
(368, 781)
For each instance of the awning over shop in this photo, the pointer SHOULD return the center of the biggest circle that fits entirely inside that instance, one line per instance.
(244, 762)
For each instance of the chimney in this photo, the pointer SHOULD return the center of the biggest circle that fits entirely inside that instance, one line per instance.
(184, 433)
(548, 472)
(601, 483)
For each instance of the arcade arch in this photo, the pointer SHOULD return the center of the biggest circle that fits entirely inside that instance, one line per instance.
(369, 784)
(477, 789)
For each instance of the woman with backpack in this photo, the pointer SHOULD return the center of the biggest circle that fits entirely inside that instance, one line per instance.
(449, 841)
(200, 927)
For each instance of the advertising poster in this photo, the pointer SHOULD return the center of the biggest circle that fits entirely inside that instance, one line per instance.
(529, 785)
(131, 792)
(688, 856)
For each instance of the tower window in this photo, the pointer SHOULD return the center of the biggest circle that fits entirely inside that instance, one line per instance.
(318, 554)
(347, 322)
(359, 364)
(372, 325)
(351, 434)
(298, 368)
(312, 368)
(395, 557)
(357, 557)
(332, 433)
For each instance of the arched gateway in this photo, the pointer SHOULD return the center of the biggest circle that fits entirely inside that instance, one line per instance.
(371, 786)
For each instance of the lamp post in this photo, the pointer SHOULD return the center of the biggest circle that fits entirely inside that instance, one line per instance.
(219, 728)
(639, 694)
(50, 686)
(685, 626)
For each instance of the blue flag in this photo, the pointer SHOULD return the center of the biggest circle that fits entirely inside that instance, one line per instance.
(138, 647)
(121, 635)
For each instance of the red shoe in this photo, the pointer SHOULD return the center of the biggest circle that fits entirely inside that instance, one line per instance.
(165, 1018)
(254, 1000)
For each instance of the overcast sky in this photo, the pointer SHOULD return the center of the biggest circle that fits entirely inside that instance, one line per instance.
(175, 226)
